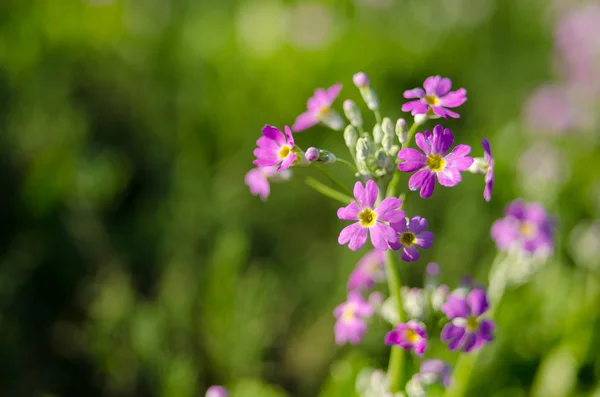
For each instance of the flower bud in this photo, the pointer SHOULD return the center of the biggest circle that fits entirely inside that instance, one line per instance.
(388, 127)
(387, 143)
(360, 80)
(326, 157)
(312, 154)
(377, 133)
(353, 113)
(382, 159)
(350, 137)
(362, 149)
(401, 131)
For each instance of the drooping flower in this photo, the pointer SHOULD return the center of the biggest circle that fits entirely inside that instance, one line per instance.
(434, 163)
(489, 175)
(258, 179)
(217, 391)
(350, 325)
(435, 99)
(319, 110)
(412, 234)
(275, 148)
(466, 330)
(370, 219)
(527, 226)
(369, 270)
(409, 336)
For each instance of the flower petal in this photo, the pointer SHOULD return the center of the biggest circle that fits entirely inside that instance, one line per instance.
(287, 162)
(389, 210)
(381, 235)
(470, 342)
(415, 107)
(305, 120)
(455, 307)
(349, 212)
(478, 302)
(454, 99)
(442, 140)
(371, 193)
(425, 240)
(274, 133)
(289, 136)
(348, 233)
(333, 92)
(410, 254)
(359, 238)
(430, 84)
(444, 87)
(417, 224)
(417, 180)
(412, 159)
(414, 93)
(449, 177)
(423, 143)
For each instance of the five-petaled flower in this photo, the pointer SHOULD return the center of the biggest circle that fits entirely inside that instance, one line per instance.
(350, 325)
(370, 219)
(466, 330)
(369, 270)
(409, 336)
(275, 148)
(319, 110)
(434, 163)
(412, 234)
(435, 99)
(527, 226)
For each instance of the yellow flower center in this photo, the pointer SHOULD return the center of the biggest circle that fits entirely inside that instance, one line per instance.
(407, 238)
(472, 324)
(411, 336)
(367, 217)
(324, 111)
(432, 100)
(284, 151)
(528, 229)
(348, 313)
(435, 162)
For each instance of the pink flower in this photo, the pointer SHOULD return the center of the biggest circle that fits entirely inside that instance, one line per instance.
(436, 98)
(319, 110)
(369, 218)
(274, 148)
(409, 336)
(350, 325)
(258, 179)
(412, 234)
(434, 163)
(369, 270)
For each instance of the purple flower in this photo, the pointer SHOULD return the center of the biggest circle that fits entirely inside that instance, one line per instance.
(447, 168)
(489, 175)
(411, 235)
(436, 98)
(409, 336)
(350, 326)
(274, 148)
(436, 371)
(369, 218)
(217, 391)
(319, 109)
(466, 330)
(526, 226)
(369, 270)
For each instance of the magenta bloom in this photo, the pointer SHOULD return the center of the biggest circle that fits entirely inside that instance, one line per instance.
(257, 181)
(369, 270)
(369, 219)
(350, 325)
(412, 234)
(434, 163)
(409, 336)
(436, 97)
(319, 109)
(526, 226)
(489, 174)
(275, 148)
(466, 330)
(217, 391)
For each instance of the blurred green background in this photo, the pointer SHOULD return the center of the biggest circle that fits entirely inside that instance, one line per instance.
(134, 261)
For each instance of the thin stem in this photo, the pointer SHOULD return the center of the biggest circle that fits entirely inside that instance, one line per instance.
(327, 191)
(349, 164)
(411, 132)
(378, 116)
(333, 180)
(393, 185)
(396, 364)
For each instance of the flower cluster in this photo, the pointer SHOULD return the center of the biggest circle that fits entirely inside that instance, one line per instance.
(377, 219)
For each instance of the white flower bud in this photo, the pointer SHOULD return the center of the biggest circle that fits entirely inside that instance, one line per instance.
(388, 127)
(402, 131)
(377, 134)
(350, 137)
(353, 113)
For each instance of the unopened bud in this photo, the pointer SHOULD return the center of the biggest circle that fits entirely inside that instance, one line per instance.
(387, 143)
(353, 113)
(377, 133)
(326, 157)
(401, 131)
(362, 154)
(388, 127)
(312, 154)
(360, 80)
(350, 137)
(382, 159)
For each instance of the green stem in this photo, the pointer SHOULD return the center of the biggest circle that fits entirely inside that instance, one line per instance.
(378, 117)
(334, 180)
(349, 164)
(396, 364)
(411, 132)
(327, 191)
(393, 185)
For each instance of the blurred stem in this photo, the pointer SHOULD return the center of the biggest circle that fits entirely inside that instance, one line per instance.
(349, 164)
(396, 364)
(411, 133)
(327, 191)
(378, 116)
(334, 180)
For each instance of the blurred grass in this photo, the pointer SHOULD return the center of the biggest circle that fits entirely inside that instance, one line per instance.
(134, 260)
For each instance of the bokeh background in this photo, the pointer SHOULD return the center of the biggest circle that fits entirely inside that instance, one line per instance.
(134, 261)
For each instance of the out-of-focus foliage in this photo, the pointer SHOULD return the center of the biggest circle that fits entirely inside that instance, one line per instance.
(135, 262)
